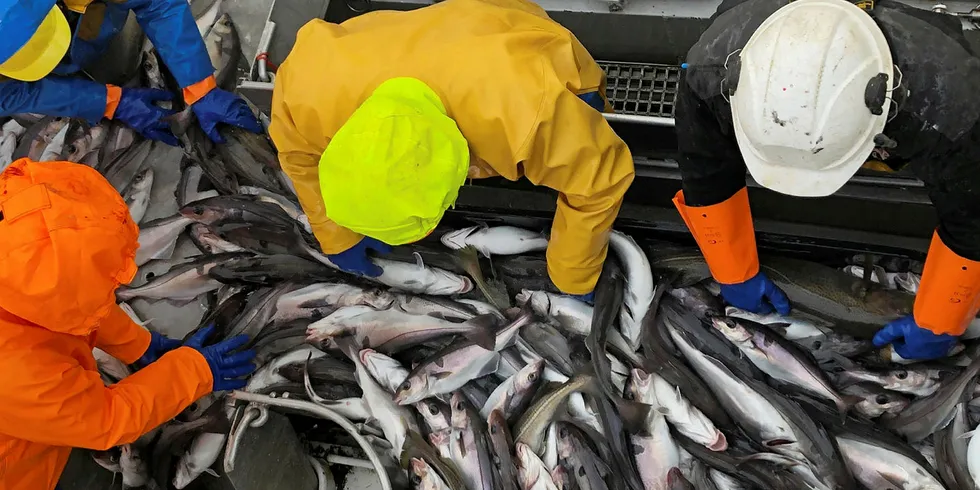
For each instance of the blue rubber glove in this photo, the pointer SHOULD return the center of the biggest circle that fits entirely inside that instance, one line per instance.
(911, 341)
(159, 345)
(758, 295)
(223, 107)
(585, 298)
(137, 110)
(355, 259)
(227, 366)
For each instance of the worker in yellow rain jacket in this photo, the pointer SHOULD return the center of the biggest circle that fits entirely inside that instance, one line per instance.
(381, 119)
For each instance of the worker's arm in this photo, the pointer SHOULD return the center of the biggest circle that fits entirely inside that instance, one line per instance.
(170, 27)
(54, 96)
(48, 397)
(949, 294)
(714, 202)
(122, 338)
(574, 151)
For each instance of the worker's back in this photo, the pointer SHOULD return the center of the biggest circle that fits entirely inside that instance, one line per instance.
(491, 61)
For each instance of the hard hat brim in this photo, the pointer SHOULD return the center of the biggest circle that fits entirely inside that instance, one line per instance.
(799, 182)
(42, 52)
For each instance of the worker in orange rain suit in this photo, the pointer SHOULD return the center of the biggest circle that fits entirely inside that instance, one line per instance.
(380, 120)
(67, 243)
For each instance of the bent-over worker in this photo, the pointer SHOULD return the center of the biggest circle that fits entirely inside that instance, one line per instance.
(67, 243)
(801, 93)
(45, 40)
(380, 120)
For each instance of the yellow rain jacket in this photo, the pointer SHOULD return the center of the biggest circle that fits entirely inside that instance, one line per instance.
(510, 78)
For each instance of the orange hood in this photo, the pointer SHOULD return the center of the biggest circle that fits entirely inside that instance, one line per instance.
(66, 243)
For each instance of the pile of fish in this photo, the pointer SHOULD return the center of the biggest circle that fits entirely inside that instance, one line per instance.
(471, 373)
(465, 380)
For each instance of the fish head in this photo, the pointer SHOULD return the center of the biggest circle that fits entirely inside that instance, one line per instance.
(566, 439)
(382, 367)
(412, 390)
(539, 301)
(378, 299)
(639, 386)
(108, 459)
(496, 422)
(420, 472)
(456, 240)
(908, 378)
(450, 283)
(731, 329)
(460, 407)
(529, 376)
(144, 179)
(184, 474)
(891, 403)
(436, 414)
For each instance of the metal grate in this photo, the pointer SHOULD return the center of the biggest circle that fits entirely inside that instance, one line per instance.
(640, 88)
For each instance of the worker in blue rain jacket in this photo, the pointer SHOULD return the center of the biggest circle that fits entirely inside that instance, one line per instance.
(800, 94)
(43, 42)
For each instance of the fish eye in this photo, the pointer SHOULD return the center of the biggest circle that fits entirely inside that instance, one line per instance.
(629, 396)
(902, 374)
(405, 386)
(817, 344)
(563, 432)
(881, 399)
(416, 479)
(198, 209)
(532, 376)
(460, 406)
(493, 429)
(433, 408)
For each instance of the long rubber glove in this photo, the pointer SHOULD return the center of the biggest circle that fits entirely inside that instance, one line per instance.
(355, 259)
(948, 299)
(227, 366)
(758, 295)
(137, 109)
(218, 106)
(159, 345)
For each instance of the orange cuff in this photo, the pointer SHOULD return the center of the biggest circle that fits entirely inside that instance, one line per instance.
(725, 233)
(193, 93)
(949, 294)
(112, 96)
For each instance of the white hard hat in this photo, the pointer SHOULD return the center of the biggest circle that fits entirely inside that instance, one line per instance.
(801, 118)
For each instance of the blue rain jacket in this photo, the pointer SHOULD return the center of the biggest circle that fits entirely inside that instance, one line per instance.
(168, 24)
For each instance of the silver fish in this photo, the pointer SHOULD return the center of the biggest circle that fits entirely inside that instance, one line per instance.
(137, 197)
(913, 380)
(291, 208)
(875, 400)
(393, 330)
(532, 426)
(419, 279)
(951, 451)
(385, 370)
(395, 420)
(639, 293)
(158, 238)
(458, 364)
(656, 453)
(88, 144)
(305, 302)
(879, 467)
(54, 148)
(426, 477)
(779, 358)
(512, 396)
(469, 445)
(926, 415)
(501, 443)
(572, 315)
(440, 307)
(531, 472)
(39, 136)
(182, 283)
(224, 49)
(584, 466)
(667, 399)
(135, 472)
(198, 458)
(209, 242)
(126, 164)
(498, 240)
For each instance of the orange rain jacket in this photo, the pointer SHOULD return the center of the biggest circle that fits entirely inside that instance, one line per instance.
(508, 75)
(66, 243)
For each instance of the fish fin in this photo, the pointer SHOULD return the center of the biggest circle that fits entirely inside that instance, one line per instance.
(180, 302)
(966, 435)
(418, 260)
(845, 404)
(895, 482)
(774, 458)
(484, 331)
(212, 473)
(634, 414)
(441, 375)
(780, 328)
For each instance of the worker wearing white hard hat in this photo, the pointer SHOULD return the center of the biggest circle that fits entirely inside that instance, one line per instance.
(800, 94)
